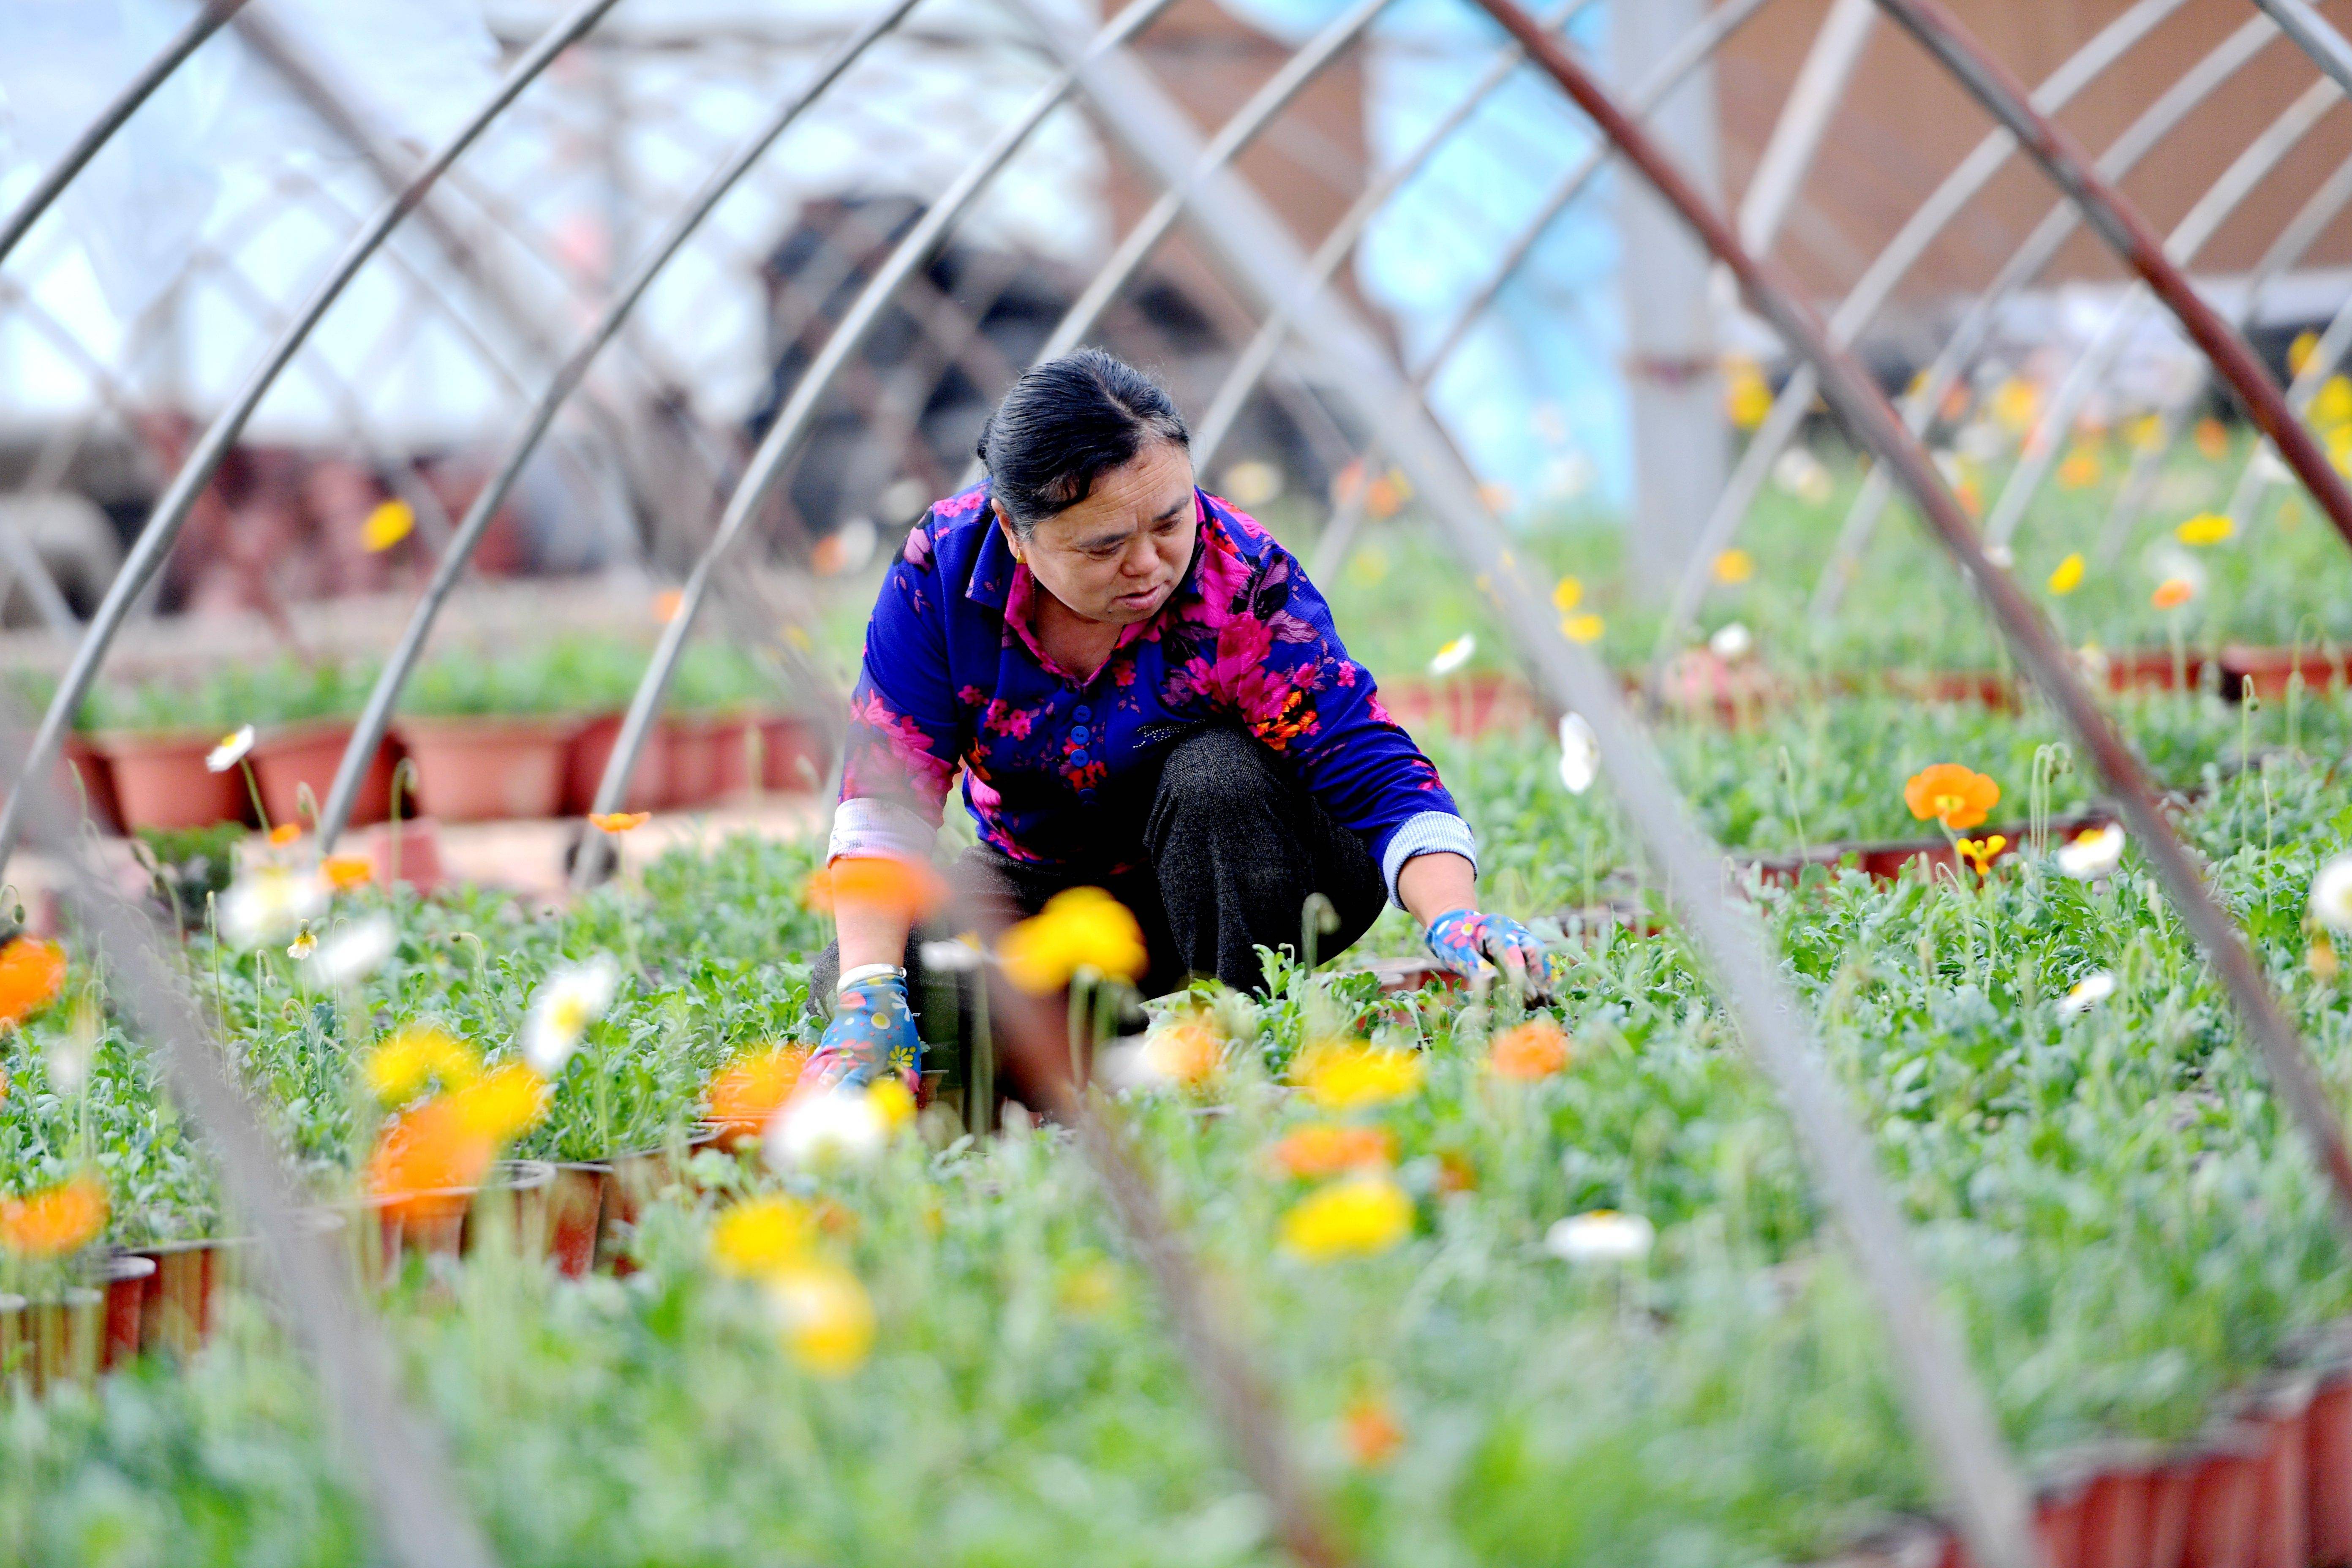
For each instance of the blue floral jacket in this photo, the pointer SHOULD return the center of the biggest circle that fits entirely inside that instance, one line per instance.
(1055, 765)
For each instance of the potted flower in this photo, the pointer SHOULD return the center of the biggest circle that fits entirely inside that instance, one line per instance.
(304, 714)
(712, 698)
(489, 738)
(157, 737)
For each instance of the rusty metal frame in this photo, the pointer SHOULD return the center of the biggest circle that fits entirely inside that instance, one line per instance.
(1945, 1404)
(170, 512)
(368, 729)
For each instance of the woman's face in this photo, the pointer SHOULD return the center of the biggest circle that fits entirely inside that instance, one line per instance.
(1118, 554)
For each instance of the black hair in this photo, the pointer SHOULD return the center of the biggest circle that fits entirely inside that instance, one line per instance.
(1067, 423)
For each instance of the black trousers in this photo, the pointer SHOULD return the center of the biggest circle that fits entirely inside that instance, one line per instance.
(1233, 847)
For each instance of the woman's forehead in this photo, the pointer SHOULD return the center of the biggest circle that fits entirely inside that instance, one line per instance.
(1155, 483)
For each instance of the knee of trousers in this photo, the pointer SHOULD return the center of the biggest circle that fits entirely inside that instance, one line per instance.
(1217, 779)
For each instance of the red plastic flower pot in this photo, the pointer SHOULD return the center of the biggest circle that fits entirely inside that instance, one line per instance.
(486, 769)
(449, 1221)
(178, 1302)
(68, 1338)
(287, 760)
(123, 1278)
(2265, 671)
(90, 781)
(407, 851)
(2327, 1469)
(707, 759)
(575, 1216)
(2225, 1500)
(2283, 1521)
(2119, 1501)
(161, 780)
(791, 756)
(592, 748)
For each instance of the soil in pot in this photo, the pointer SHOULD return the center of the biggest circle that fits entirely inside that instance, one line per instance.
(592, 748)
(486, 769)
(307, 755)
(161, 780)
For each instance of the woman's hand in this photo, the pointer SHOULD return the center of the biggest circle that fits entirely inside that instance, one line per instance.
(1464, 939)
(872, 1032)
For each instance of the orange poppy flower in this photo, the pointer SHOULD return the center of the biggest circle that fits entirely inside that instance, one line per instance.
(908, 887)
(749, 1089)
(65, 1218)
(620, 821)
(1370, 1430)
(1326, 1150)
(2172, 593)
(427, 1151)
(1531, 1050)
(32, 973)
(344, 872)
(1954, 796)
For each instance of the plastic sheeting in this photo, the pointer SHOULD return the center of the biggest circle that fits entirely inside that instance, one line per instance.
(1533, 397)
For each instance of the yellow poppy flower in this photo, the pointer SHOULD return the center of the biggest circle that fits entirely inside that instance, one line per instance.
(1078, 928)
(1342, 1075)
(1356, 1216)
(2068, 575)
(386, 526)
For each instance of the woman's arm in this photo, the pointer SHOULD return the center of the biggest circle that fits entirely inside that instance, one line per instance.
(1428, 885)
(870, 931)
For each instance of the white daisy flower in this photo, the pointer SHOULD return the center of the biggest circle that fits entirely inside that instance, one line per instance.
(2093, 854)
(1580, 753)
(2331, 894)
(269, 906)
(231, 750)
(2087, 994)
(1602, 1236)
(1454, 655)
(570, 998)
(1732, 642)
(352, 954)
(825, 1130)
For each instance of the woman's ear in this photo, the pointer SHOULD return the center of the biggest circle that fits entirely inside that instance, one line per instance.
(1012, 539)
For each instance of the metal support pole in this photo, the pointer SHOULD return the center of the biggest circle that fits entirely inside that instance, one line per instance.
(172, 511)
(203, 25)
(367, 733)
(419, 1516)
(782, 440)
(1682, 444)
(1867, 411)
(2313, 35)
(2170, 108)
(2119, 224)
(1861, 302)
(1813, 99)
(1949, 1410)
(2188, 236)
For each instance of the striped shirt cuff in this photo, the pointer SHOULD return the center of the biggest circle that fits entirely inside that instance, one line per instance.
(1425, 833)
(869, 828)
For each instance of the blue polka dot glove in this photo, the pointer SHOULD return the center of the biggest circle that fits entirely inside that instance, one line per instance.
(1474, 944)
(872, 1032)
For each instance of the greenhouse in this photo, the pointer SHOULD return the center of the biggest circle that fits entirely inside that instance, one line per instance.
(1202, 782)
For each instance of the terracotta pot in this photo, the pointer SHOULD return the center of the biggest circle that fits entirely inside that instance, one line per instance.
(123, 1277)
(2115, 1522)
(640, 1176)
(707, 759)
(2154, 669)
(407, 851)
(449, 1221)
(592, 748)
(575, 1216)
(1886, 861)
(1987, 687)
(180, 1301)
(2225, 1499)
(2265, 671)
(2327, 1469)
(2170, 1490)
(90, 782)
(2058, 1521)
(792, 759)
(483, 769)
(2282, 1520)
(68, 1335)
(15, 1341)
(286, 760)
(160, 780)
